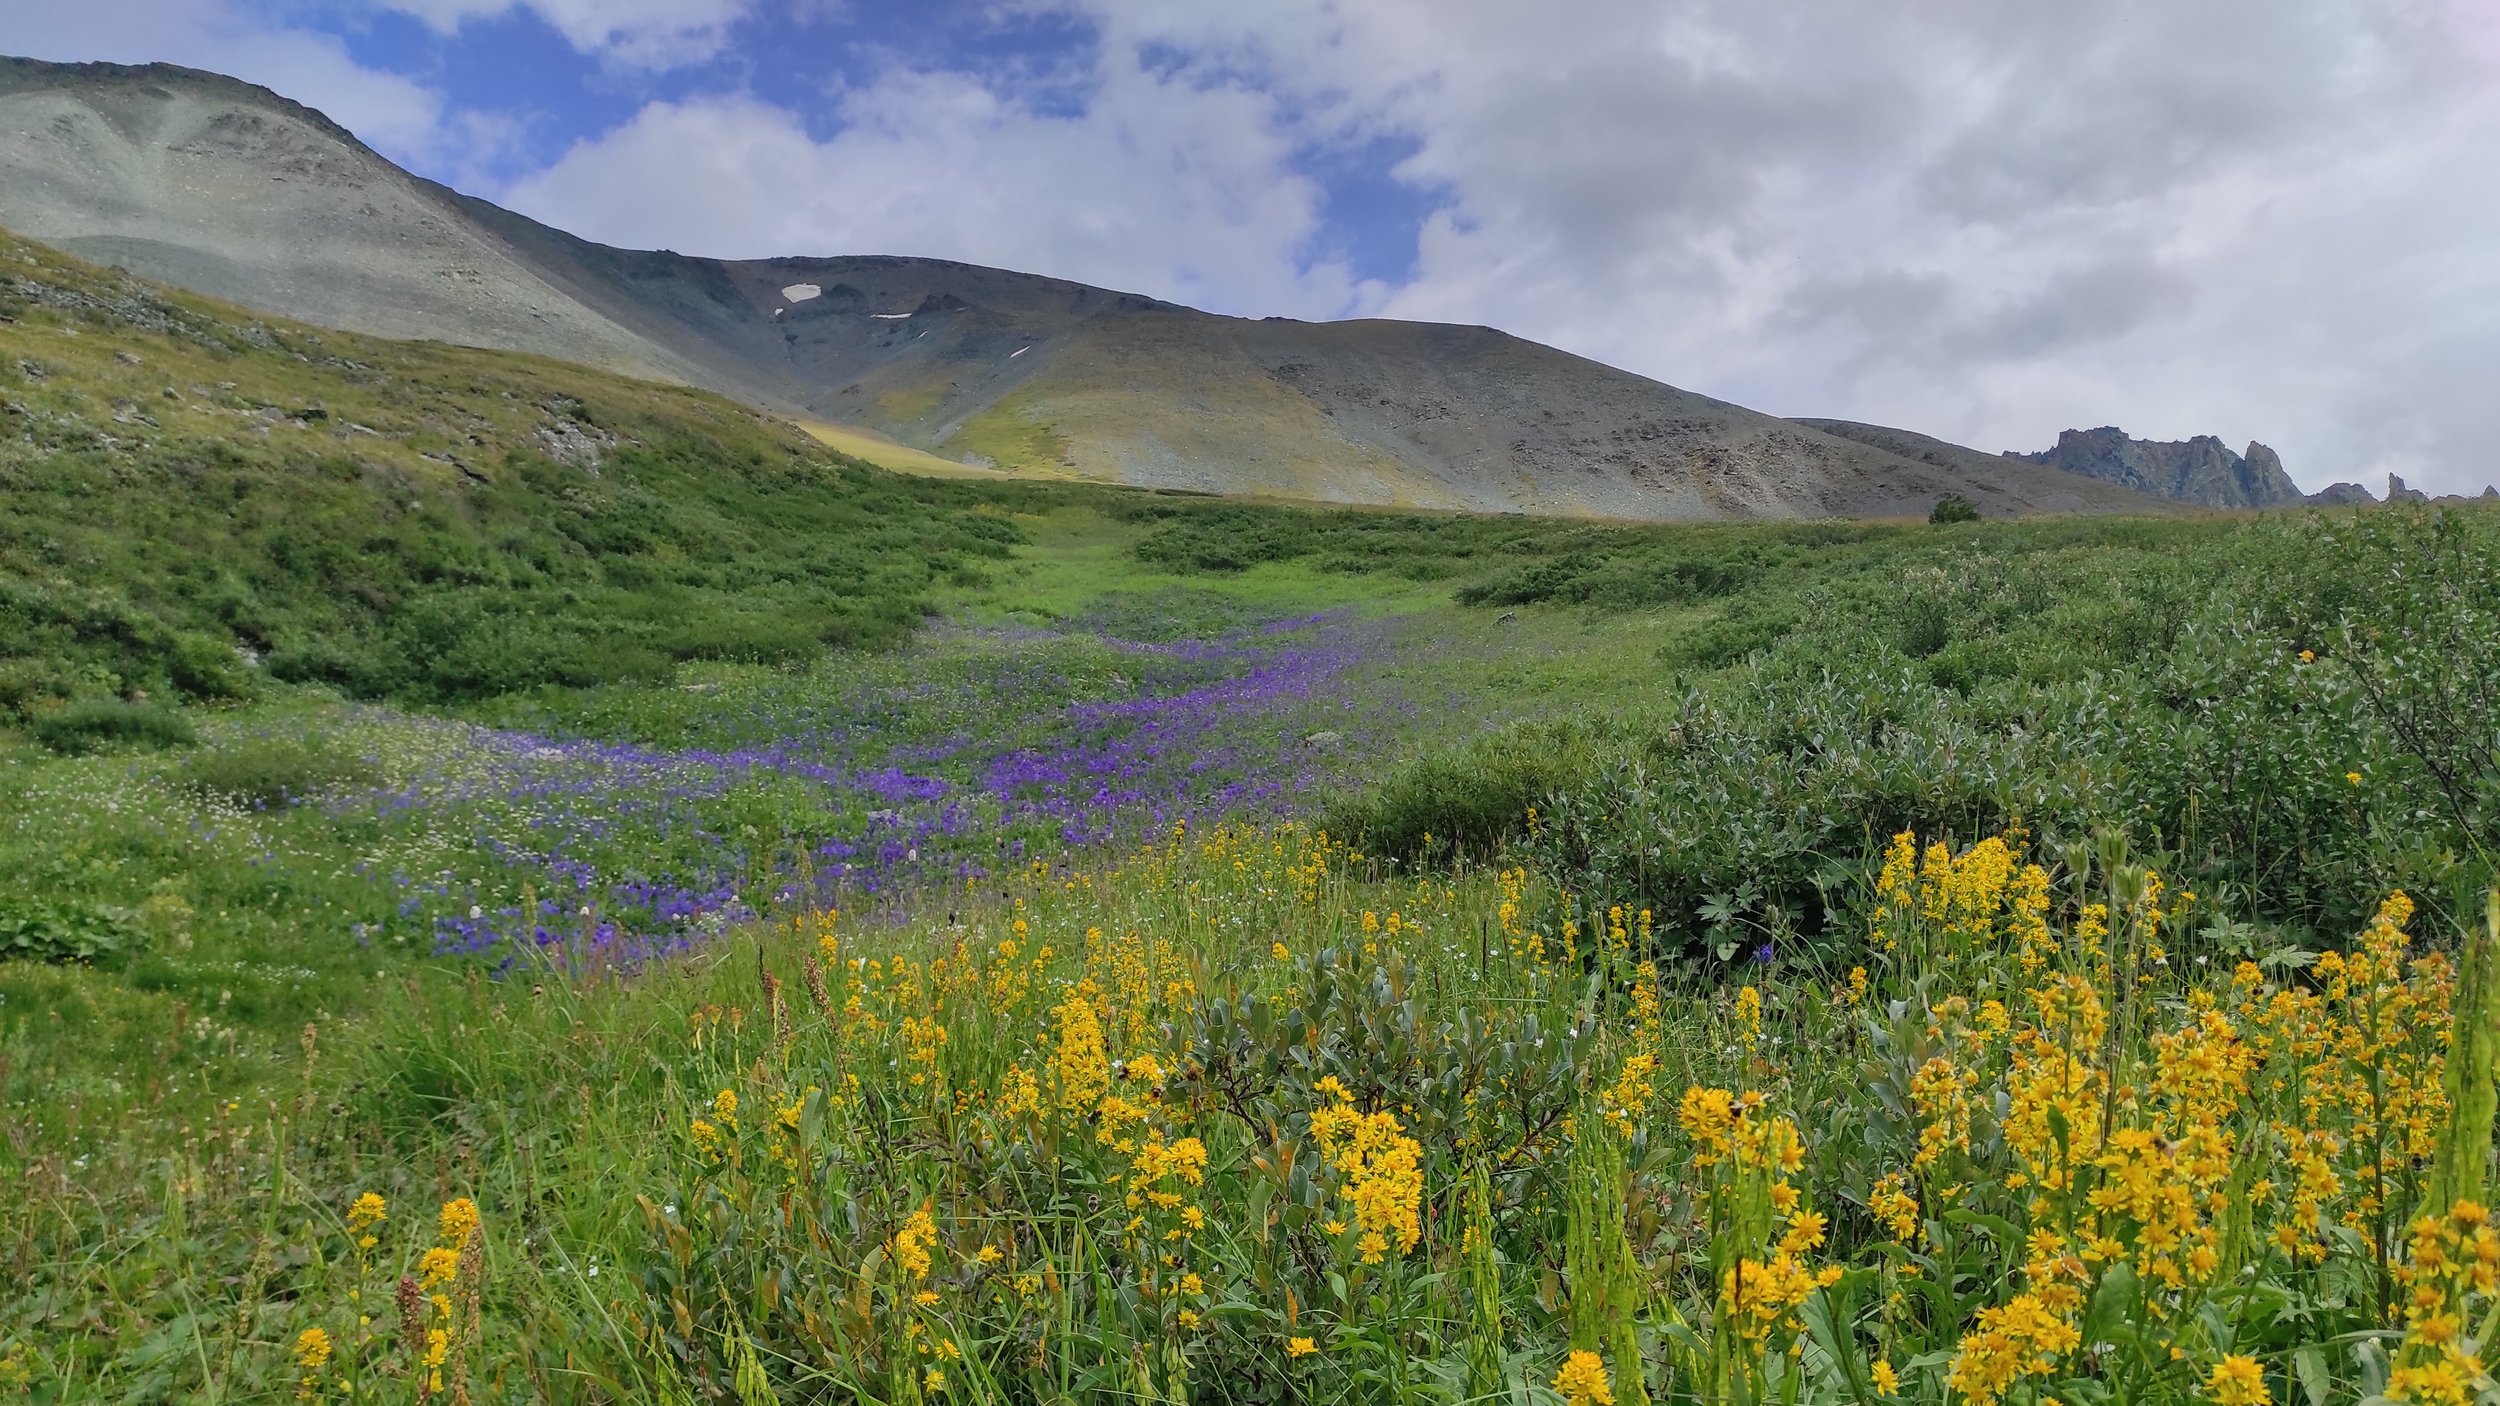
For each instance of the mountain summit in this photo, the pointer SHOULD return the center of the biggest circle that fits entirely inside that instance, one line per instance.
(230, 190)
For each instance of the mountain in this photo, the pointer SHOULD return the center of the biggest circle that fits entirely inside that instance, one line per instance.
(2199, 471)
(230, 190)
(1909, 444)
(2342, 495)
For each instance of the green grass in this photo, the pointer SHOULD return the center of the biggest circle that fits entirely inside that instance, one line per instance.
(191, 500)
(1007, 435)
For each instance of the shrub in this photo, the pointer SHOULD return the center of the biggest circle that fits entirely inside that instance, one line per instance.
(1953, 507)
(93, 724)
(1472, 799)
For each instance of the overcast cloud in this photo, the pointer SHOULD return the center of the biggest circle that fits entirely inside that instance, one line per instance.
(2264, 219)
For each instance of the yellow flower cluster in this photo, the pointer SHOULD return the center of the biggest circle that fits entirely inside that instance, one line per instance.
(2021, 1338)
(368, 1212)
(1940, 1092)
(2238, 1381)
(2454, 1261)
(1019, 1093)
(312, 1353)
(1584, 1381)
(1957, 900)
(1754, 1152)
(1894, 1204)
(1381, 1171)
(1628, 1099)
(1083, 1065)
(1725, 1125)
(912, 1242)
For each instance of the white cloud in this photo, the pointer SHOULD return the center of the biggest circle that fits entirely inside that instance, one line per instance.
(1171, 188)
(2255, 218)
(652, 34)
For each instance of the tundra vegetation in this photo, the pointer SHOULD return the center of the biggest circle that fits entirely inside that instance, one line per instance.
(526, 886)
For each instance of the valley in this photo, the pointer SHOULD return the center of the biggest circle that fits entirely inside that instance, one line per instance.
(596, 826)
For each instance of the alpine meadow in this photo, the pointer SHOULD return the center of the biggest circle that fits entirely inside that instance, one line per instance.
(521, 883)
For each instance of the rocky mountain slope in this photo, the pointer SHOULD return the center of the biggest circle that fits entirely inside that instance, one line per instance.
(2201, 471)
(233, 191)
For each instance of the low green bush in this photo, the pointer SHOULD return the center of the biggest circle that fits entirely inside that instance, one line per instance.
(1473, 799)
(65, 932)
(94, 724)
(2302, 711)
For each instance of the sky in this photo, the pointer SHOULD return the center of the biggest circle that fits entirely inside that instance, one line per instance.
(2272, 220)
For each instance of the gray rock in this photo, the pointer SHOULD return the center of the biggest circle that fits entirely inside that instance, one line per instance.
(2201, 470)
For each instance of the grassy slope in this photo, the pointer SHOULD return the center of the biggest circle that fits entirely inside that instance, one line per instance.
(410, 520)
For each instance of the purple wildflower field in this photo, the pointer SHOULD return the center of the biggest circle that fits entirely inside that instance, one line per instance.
(655, 820)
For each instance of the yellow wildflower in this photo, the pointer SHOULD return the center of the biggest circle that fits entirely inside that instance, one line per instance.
(912, 1242)
(458, 1221)
(437, 1267)
(1583, 1381)
(369, 1211)
(1083, 1066)
(2238, 1381)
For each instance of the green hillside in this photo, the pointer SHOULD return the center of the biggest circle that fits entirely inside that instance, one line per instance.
(192, 498)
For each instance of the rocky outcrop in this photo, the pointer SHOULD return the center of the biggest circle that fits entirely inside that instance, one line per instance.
(2201, 471)
(2341, 495)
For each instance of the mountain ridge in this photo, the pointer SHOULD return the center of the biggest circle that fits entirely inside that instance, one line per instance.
(2200, 470)
(236, 192)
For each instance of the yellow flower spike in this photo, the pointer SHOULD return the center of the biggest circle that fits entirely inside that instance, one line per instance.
(312, 1349)
(436, 1267)
(458, 1221)
(912, 1242)
(1584, 1381)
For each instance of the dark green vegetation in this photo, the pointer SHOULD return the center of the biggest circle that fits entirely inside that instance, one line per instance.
(190, 500)
(1953, 507)
(2299, 713)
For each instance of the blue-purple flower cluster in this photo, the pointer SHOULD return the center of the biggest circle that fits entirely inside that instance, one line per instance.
(975, 751)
